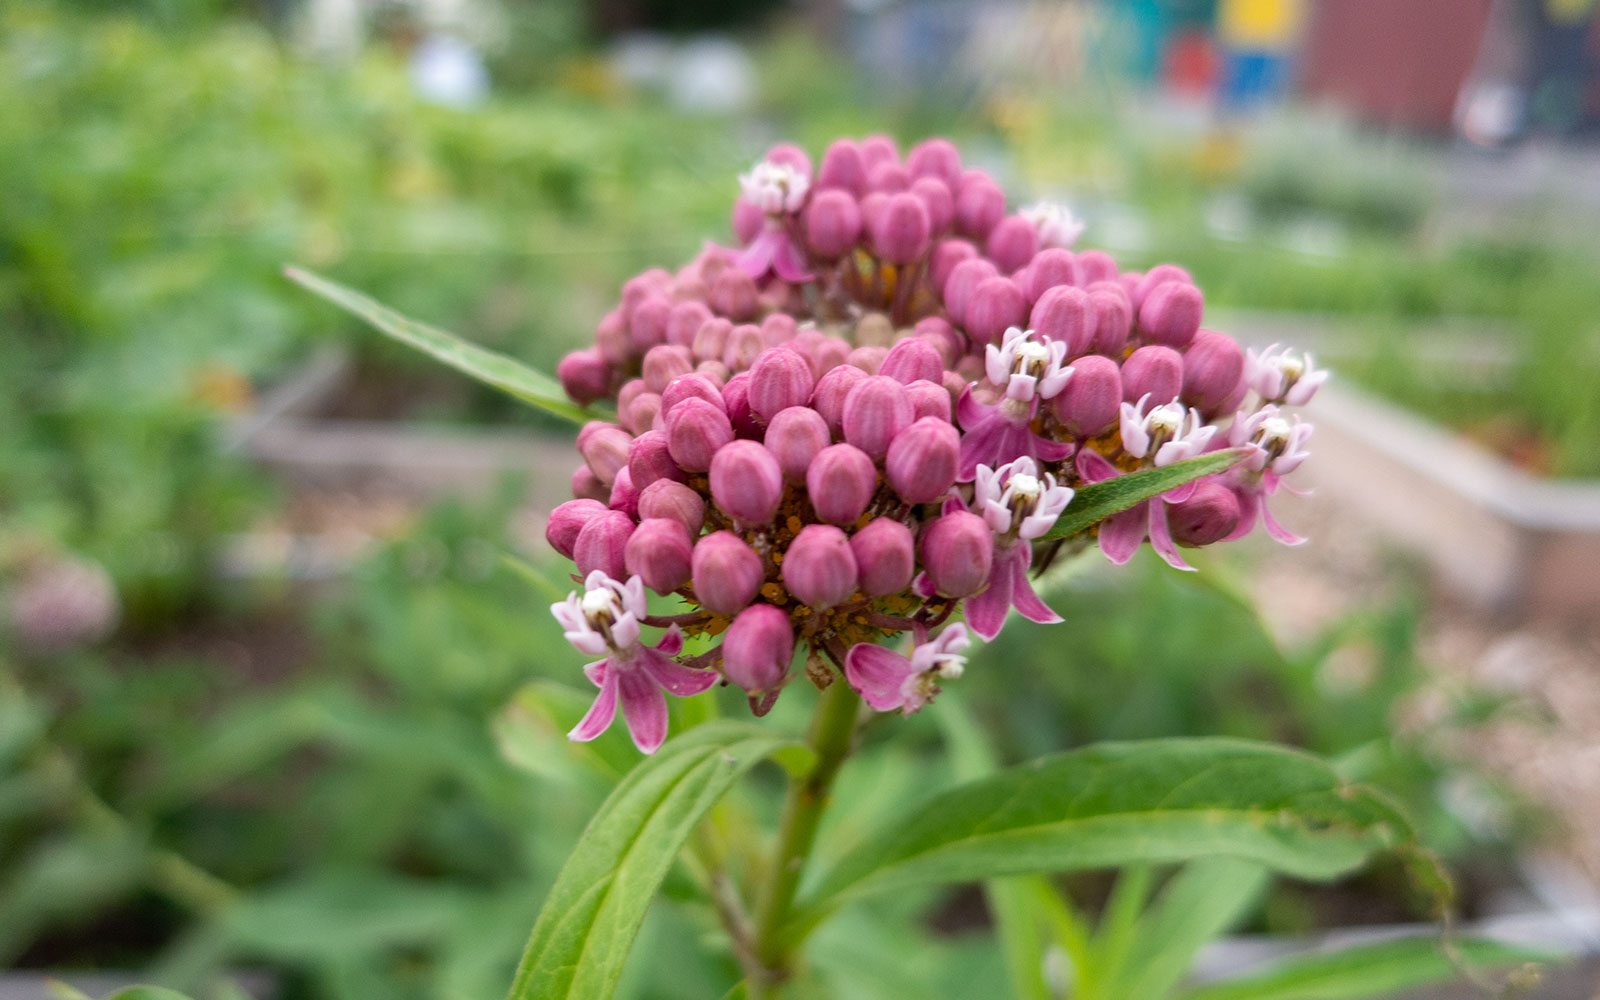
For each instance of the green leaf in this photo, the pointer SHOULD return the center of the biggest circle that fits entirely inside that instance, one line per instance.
(1124, 803)
(1366, 971)
(1095, 502)
(1201, 902)
(489, 367)
(593, 912)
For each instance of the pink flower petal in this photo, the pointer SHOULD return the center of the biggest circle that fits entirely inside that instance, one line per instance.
(1161, 537)
(969, 411)
(598, 719)
(789, 262)
(1277, 531)
(644, 708)
(671, 644)
(1093, 466)
(756, 260)
(878, 674)
(1027, 602)
(1122, 533)
(1249, 514)
(987, 610)
(675, 677)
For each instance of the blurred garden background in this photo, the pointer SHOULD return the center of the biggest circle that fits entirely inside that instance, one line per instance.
(278, 689)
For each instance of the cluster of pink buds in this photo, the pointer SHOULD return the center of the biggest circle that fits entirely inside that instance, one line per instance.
(858, 422)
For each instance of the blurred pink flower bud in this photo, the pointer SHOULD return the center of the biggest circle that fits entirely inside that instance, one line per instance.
(685, 320)
(695, 385)
(688, 288)
(830, 354)
(819, 569)
(696, 430)
(840, 483)
(746, 482)
(790, 155)
(1170, 314)
(900, 232)
(885, 556)
(878, 148)
(946, 256)
(867, 359)
(938, 200)
(779, 378)
(928, 399)
(980, 204)
(1113, 321)
(935, 157)
(795, 436)
(890, 178)
(745, 344)
(611, 339)
(1012, 243)
(711, 340)
(1158, 275)
(1092, 400)
(601, 544)
(726, 573)
(843, 167)
(1213, 372)
(641, 412)
(1153, 371)
(833, 388)
(758, 649)
(922, 460)
(605, 447)
(654, 281)
(587, 486)
(716, 371)
(1210, 514)
(663, 363)
(912, 359)
(561, 531)
(997, 304)
(1051, 268)
(1065, 315)
(1096, 265)
(736, 400)
(833, 223)
(584, 375)
(658, 552)
(964, 279)
(875, 411)
(61, 602)
(957, 553)
(943, 338)
(779, 328)
(667, 498)
(647, 324)
(747, 220)
(649, 459)
(624, 496)
(734, 294)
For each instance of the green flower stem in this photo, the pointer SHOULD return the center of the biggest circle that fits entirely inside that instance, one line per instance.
(832, 729)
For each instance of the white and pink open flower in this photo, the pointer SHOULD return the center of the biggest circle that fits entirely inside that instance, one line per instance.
(1056, 224)
(890, 682)
(1279, 375)
(1026, 371)
(1018, 504)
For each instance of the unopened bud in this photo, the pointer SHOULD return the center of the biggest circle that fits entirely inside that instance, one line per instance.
(726, 573)
(746, 482)
(663, 363)
(658, 552)
(1012, 243)
(711, 340)
(842, 167)
(900, 233)
(649, 459)
(695, 385)
(1092, 400)
(1050, 268)
(875, 411)
(745, 344)
(685, 320)
(1213, 372)
(819, 569)
(605, 447)
(779, 378)
(833, 223)
(980, 204)
(957, 552)
(795, 436)
(923, 459)
(885, 556)
(911, 359)
(831, 391)
(1113, 320)
(997, 304)
(668, 498)
(945, 257)
(1065, 315)
(758, 648)
(840, 482)
(1170, 314)
(561, 531)
(1155, 371)
(1209, 515)
(935, 157)
(929, 399)
(601, 545)
(964, 279)
(584, 375)
(696, 430)
(937, 199)
(734, 294)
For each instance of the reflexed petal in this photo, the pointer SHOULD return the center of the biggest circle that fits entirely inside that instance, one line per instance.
(1249, 513)
(987, 610)
(598, 719)
(1161, 537)
(878, 674)
(675, 677)
(671, 644)
(1277, 531)
(756, 260)
(789, 262)
(644, 708)
(970, 412)
(1093, 467)
(981, 445)
(596, 672)
(1027, 602)
(1122, 533)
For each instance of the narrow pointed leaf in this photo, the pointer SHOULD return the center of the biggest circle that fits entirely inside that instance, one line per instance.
(593, 912)
(1367, 970)
(1095, 502)
(1201, 902)
(1124, 803)
(489, 367)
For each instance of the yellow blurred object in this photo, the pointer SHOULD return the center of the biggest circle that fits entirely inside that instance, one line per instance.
(1219, 157)
(221, 388)
(1568, 11)
(1270, 25)
(589, 77)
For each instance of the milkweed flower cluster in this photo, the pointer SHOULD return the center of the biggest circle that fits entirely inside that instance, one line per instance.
(862, 419)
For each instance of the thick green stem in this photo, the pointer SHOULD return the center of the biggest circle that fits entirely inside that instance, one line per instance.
(832, 729)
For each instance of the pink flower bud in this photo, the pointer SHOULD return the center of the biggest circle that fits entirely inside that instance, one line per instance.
(663, 363)
(584, 375)
(1065, 314)
(953, 381)
(689, 287)
(878, 148)
(946, 339)
(641, 412)
(900, 232)
(779, 328)
(587, 486)
(745, 344)
(779, 378)
(923, 459)
(1158, 275)
(611, 339)
(885, 556)
(1096, 265)
(875, 411)
(1092, 400)
(1012, 243)
(980, 204)
(872, 206)
(935, 157)
(667, 498)
(736, 399)
(1153, 370)
(1051, 268)
(601, 544)
(716, 371)
(1209, 515)
(928, 399)
(650, 459)
(1170, 314)
(790, 155)
(946, 256)
(746, 482)
(734, 294)
(890, 178)
(641, 286)
(711, 340)
(726, 573)
(1113, 320)
(957, 552)
(833, 388)
(561, 531)
(867, 359)
(647, 324)
(696, 432)
(624, 496)
(843, 167)
(795, 436)
(964, 279)
(758, 648)
(938, 200)
(912, 359)
(819, 569)
(830, 354)
(605, 447)
(658, 552)
(840, 482)
(747, 220)
(694, 385)
(629, 392)
(833, 223)
(1213, 369)
(997, 304)
(685, 320)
